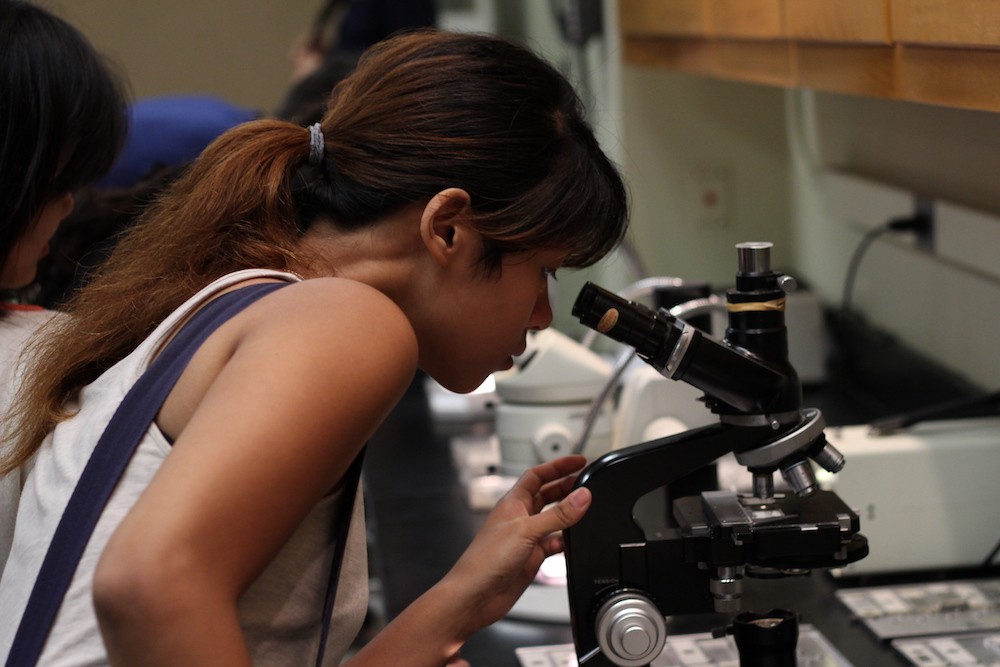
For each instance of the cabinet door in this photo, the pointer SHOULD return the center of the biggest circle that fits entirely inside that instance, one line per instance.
(969, 23)
(747, 19)
(682, 18)
(853, 21)
(948, 52)
(934, 51)
(843, 46)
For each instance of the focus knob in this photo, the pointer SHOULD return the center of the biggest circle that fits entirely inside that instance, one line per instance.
(630, 629)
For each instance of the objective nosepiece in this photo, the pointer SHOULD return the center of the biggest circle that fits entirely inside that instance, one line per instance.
(830, 458)
(800, 477)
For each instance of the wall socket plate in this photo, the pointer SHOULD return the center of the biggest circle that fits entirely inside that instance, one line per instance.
(942, 303)
(712, 194)
(963, 237)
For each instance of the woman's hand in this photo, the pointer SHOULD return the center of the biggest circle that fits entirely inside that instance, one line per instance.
(518, 535)
(480, 589)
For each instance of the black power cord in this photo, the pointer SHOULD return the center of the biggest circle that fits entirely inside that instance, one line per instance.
(868, 359)
(921, 223)
(993, 554)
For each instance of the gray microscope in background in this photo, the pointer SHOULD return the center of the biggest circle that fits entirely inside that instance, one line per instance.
(625, 578)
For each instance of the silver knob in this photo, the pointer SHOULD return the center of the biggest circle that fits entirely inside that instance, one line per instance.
(754, 256)
(631, 631)
(787, 284)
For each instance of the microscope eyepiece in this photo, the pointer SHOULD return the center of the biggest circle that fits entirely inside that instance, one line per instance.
(680, 352)
(650, 333)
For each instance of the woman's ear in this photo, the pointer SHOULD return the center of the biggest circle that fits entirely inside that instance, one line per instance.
(445, 225)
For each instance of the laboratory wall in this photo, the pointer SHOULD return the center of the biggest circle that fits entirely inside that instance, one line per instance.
(813, 173)
(942, 299)
(237, 50)
(707, 162)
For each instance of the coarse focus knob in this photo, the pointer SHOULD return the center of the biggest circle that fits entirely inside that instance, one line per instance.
(630, 629)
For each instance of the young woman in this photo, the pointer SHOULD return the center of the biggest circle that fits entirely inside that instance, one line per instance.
(414, 228)
(62, 122)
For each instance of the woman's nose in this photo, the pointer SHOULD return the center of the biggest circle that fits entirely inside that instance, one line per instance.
(541, 316)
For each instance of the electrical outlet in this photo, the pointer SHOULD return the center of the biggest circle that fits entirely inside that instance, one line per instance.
(712, 194)
(868, 204)
(862, 202)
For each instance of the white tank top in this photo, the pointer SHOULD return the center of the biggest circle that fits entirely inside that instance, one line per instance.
(280, 613)
(16, 327)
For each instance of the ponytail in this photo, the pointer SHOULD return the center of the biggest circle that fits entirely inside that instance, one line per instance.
(232, 210)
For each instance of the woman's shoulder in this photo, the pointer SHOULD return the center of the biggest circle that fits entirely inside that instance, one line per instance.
(329, 339)
(338, 315)
(340, 299)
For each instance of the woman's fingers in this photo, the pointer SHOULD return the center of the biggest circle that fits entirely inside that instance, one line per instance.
(556, 491)
(549, 484)
(562, 515)
(537, 478)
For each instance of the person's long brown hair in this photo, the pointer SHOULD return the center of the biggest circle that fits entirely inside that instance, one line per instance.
(422, 112)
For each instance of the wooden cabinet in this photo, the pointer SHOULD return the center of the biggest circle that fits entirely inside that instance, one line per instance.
(843, 46)
(746, 19)
(679, 18)
(961, 23)
(841, 21)
(948, 51)
(740, 39)
(944, 52)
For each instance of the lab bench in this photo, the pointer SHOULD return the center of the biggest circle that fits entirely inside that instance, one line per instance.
(421, 521)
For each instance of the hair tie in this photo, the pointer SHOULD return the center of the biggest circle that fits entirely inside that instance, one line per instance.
(316, 145)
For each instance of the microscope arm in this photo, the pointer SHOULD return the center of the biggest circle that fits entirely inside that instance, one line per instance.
(651, 465)
(625, 579)
(608, 548)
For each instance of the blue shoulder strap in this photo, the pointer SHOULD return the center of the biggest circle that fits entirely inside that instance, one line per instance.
(107, 463)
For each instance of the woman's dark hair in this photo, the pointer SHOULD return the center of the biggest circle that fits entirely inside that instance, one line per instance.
(428, 110)
(62, 115)
(86, 236)
(422, 112)
(305, 102)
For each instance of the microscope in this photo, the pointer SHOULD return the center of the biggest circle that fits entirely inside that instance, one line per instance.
(627, 572)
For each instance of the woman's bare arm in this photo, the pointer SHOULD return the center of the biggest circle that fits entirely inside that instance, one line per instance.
(304, 378)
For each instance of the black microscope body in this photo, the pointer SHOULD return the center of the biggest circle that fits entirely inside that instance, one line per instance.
(623, 577)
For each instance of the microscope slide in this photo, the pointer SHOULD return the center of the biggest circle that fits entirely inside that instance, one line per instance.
(934, 608)
(701, 650)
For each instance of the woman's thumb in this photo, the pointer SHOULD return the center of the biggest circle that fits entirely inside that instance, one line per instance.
(565, 513)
